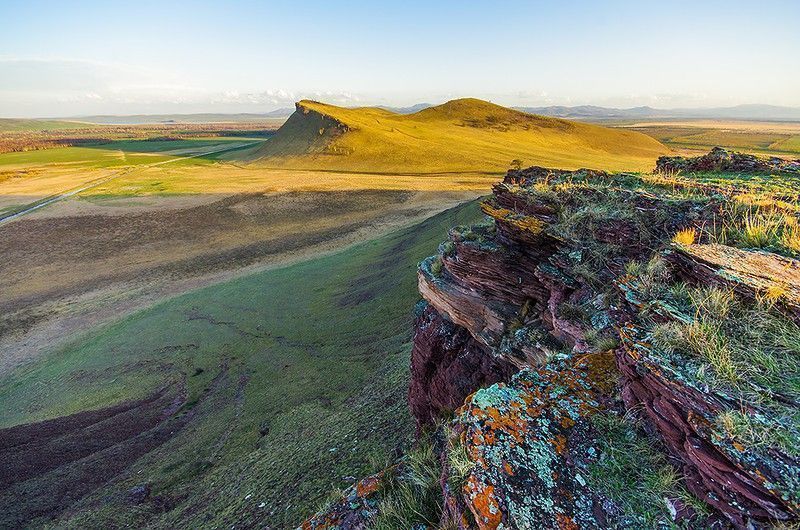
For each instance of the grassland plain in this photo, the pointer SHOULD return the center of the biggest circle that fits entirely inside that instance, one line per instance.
(30, 176)
(292, 379)
(766, 138)
(462, 135)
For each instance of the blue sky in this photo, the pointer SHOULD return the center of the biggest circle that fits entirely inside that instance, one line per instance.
(71, 58)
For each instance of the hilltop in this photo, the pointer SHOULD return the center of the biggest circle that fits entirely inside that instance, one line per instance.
(460, 135)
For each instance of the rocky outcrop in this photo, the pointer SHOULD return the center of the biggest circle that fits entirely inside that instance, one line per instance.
(447, 365)
(505, 289)
(536, 350)
(750, 485)
(720, 159)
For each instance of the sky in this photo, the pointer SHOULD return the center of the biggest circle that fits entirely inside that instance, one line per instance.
(117, 57)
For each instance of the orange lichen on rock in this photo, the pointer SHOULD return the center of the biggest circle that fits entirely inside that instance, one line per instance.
(519, 221)
(522, 433)
(485, 506)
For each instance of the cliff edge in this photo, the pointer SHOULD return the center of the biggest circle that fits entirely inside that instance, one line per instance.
(607, 351)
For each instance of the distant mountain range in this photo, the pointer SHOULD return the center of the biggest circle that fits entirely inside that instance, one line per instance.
(580, 112)
(739, 112)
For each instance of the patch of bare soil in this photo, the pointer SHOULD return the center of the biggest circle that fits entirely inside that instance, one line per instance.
(76, 454)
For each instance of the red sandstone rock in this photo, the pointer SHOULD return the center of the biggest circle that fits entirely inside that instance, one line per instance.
(447, 365)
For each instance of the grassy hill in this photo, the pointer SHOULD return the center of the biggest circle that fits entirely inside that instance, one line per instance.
(460, 135)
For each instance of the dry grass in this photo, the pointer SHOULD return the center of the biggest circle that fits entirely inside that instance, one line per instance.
(760, 224)
(687, 236)
(462, 135)
(746, 350)
(414, 499)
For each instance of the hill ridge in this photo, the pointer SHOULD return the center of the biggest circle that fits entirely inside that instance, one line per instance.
(465, 134)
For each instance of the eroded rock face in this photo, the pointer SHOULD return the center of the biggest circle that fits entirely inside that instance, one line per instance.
(447, 365)
(751, 486)
(532, 328)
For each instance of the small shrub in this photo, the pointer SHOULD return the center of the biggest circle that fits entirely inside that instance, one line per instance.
(604, 343)
(436, 267)
(633, 268)
(758, 231)
(712, 301)
(667, 336)
(771, 295)
(458, 463)
(448, 248)
(652, 277)
(790, 239)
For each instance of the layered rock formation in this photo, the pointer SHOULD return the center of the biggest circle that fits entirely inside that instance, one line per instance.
(540, 348)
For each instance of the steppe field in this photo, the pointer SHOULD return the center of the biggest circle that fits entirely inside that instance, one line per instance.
(220, 314)
(777, 138)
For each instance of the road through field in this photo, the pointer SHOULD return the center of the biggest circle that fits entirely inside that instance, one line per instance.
(92, 184)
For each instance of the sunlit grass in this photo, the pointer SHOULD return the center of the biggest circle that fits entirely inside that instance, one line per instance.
(687, 236)
(463, 135)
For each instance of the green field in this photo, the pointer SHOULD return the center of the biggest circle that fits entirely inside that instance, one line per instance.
(461, 135)
(28, 125)
(120, 153)
(295, 378)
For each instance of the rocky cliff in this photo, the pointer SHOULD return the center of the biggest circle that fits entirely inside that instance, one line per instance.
(609, 351)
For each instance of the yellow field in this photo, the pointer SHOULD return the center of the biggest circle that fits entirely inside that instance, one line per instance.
(459, 136)
(229, 179)
(691, 136)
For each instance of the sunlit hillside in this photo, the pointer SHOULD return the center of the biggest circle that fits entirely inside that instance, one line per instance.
(460, 135)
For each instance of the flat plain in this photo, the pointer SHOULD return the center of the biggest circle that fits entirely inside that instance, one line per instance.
(778, 138)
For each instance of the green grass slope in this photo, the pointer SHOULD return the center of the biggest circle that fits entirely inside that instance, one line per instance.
(295, 377)
(459, 136)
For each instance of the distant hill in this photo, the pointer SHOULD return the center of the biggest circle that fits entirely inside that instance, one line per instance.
(739, 112)
(407, 110)
(460, 135)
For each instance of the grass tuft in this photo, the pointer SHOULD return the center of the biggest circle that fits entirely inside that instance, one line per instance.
(687, 236)
(414, 498)
(635, 475)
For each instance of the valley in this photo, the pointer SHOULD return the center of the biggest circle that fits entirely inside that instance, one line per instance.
(284, 383)
(213, 328)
